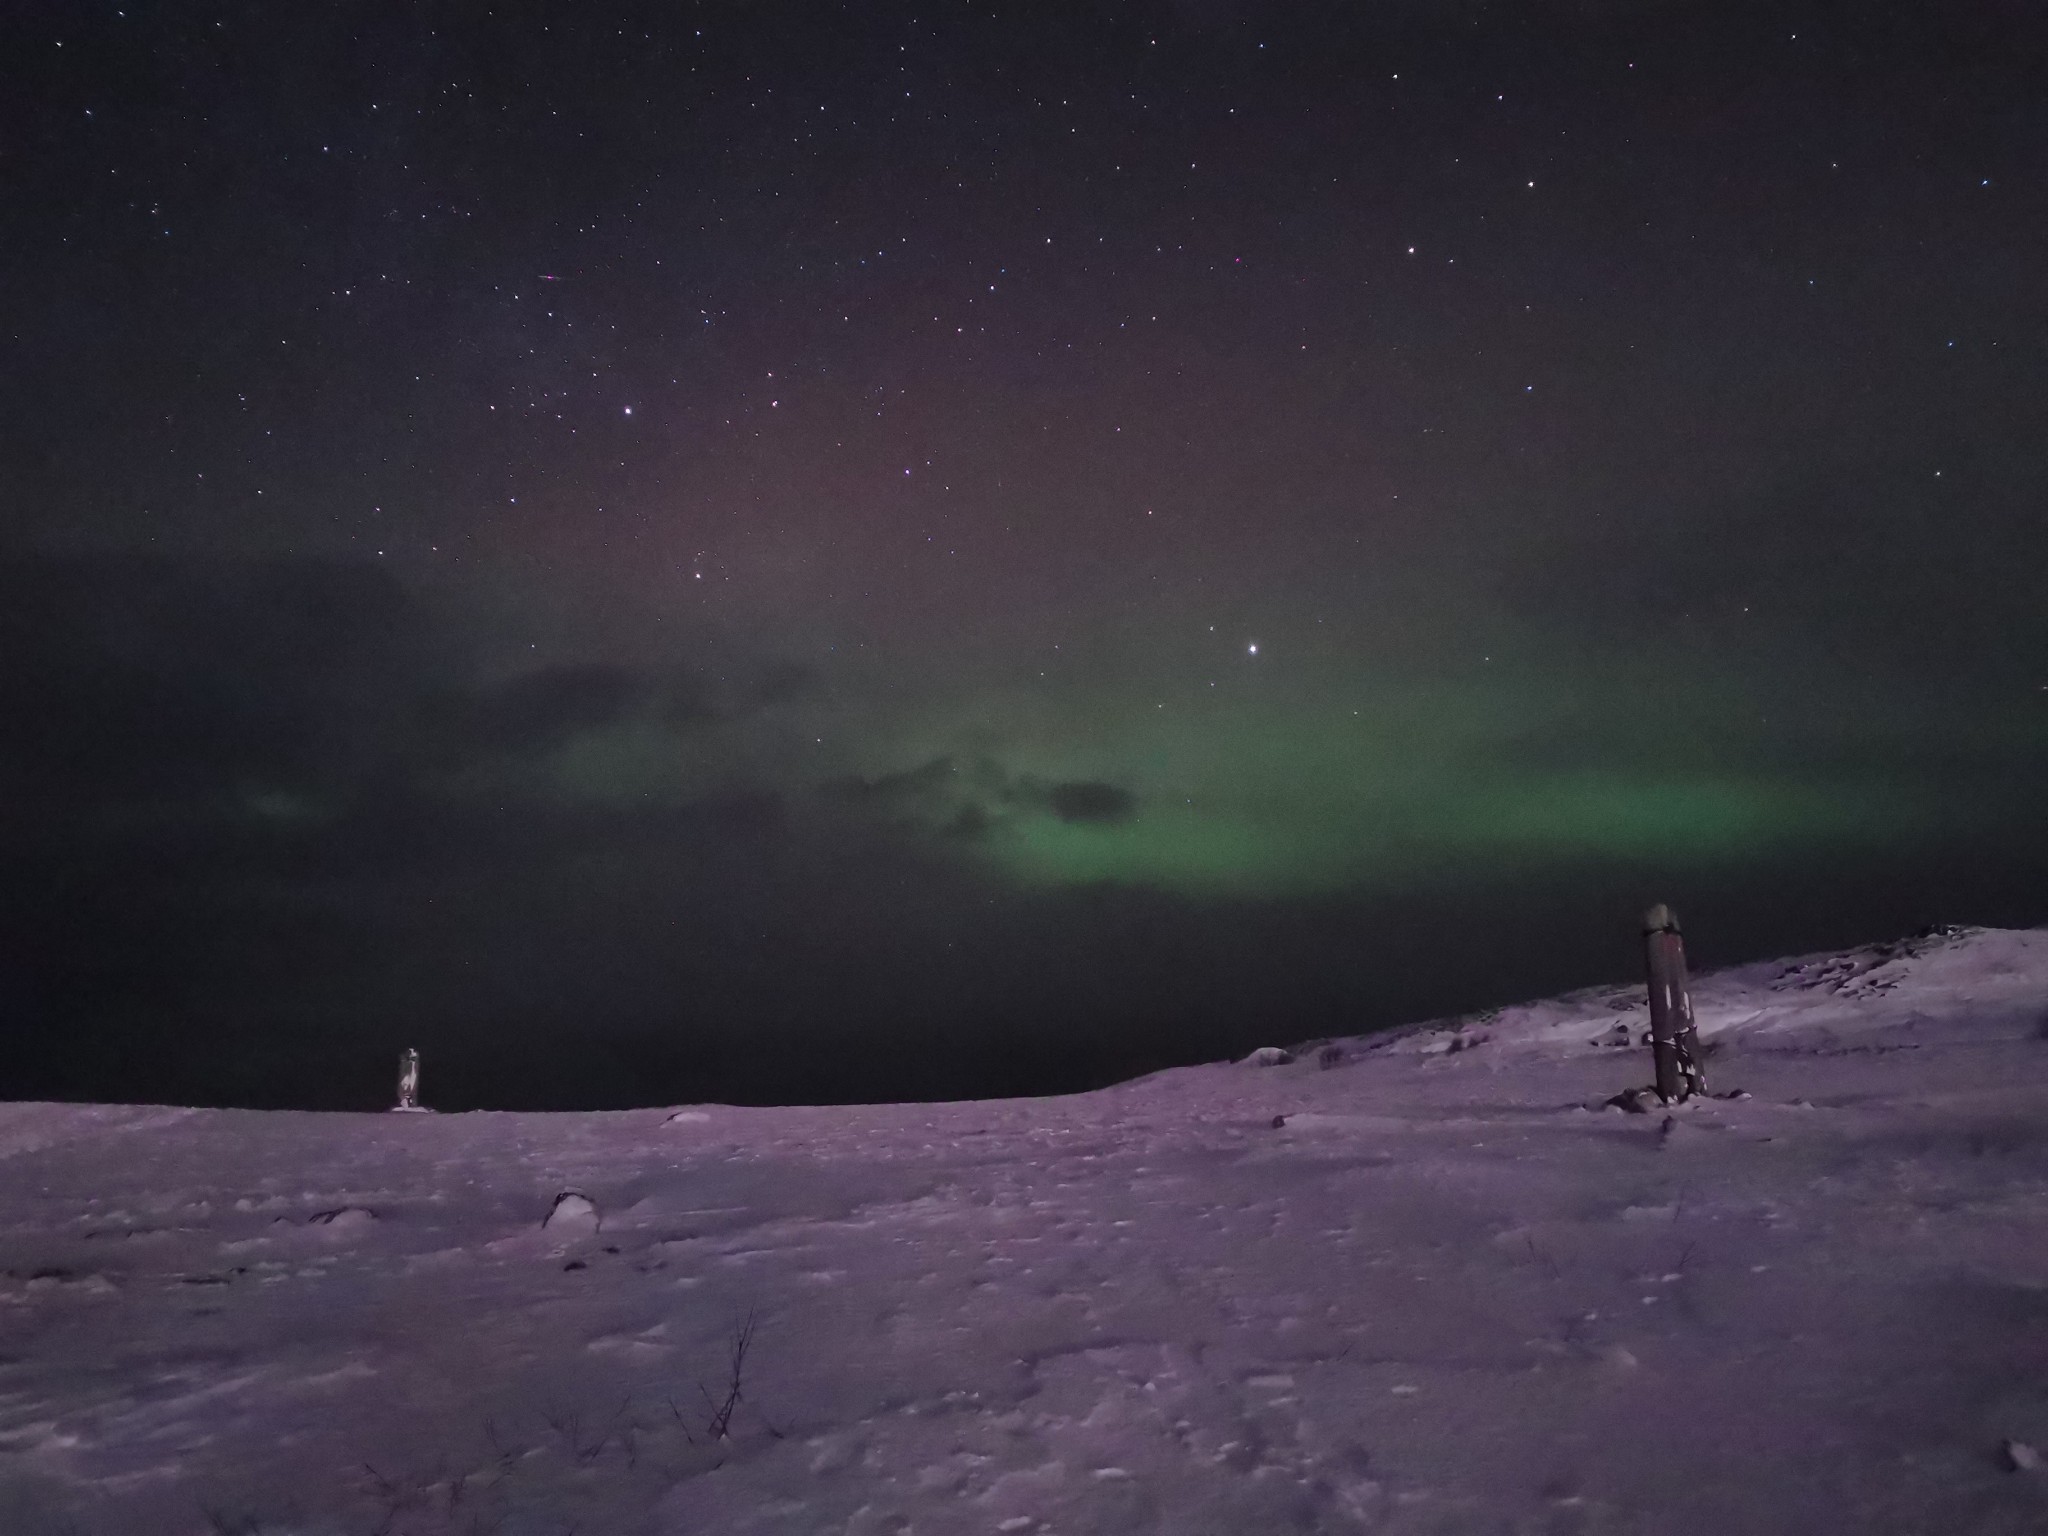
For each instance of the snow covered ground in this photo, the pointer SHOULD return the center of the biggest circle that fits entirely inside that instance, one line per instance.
(1422, 1288)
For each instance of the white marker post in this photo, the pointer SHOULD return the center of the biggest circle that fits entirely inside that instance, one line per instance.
(408, 1083)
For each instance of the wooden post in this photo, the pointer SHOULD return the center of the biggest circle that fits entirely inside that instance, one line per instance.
(1674, 1043)
(408, 1079)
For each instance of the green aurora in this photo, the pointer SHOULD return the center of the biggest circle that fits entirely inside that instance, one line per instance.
(1292, 777)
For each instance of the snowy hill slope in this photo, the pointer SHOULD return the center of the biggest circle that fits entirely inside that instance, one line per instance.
(1421, 1288)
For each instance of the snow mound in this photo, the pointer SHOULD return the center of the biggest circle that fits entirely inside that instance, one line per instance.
(1851, 996)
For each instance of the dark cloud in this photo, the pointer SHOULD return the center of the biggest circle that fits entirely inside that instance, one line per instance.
(176, 683)
(1091, 801)
(928, 790)
(971, 801)
(529, 714)
(726, 695)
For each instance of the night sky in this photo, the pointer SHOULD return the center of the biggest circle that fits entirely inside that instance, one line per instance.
(787, 552)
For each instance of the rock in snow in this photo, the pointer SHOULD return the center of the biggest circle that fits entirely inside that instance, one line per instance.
(1268, 1056)
(572, 1214)
(1440, 1297)
(1634, 1101)
(348, 1218)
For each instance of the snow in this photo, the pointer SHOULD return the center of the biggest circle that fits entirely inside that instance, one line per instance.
(1390, 1287)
